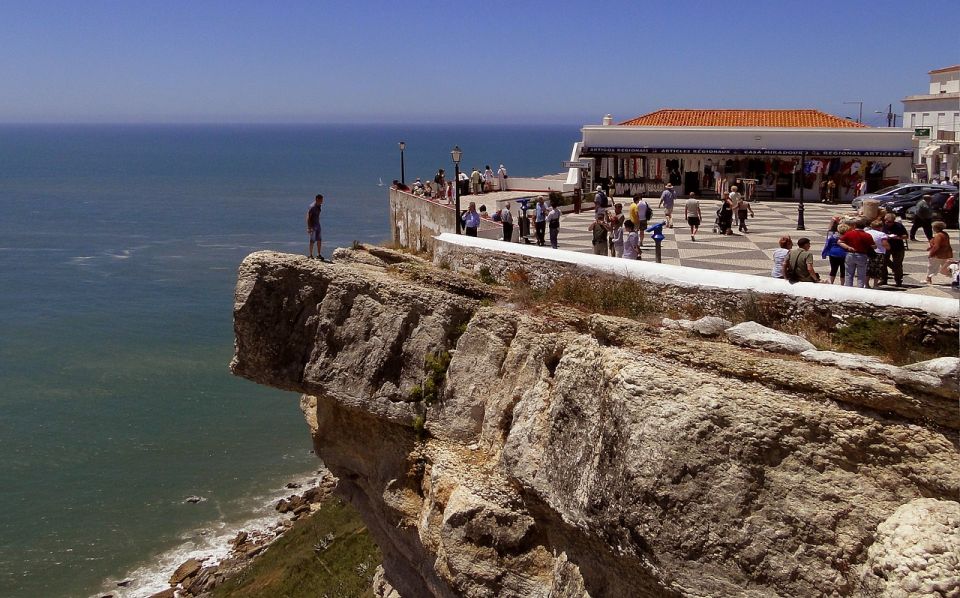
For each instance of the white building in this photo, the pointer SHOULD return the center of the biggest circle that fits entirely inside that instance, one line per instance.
(934, 118)
(770, 153)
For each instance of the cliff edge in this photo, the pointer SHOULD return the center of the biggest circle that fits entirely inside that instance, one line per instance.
(499, 451)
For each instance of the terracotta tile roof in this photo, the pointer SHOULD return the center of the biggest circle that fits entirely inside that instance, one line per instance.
(741, 118)
(948, 69)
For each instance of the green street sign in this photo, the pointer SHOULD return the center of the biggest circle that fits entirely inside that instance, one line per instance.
(921, 132)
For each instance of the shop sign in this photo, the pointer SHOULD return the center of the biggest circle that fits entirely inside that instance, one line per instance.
(921, 132)
(576, 164)
(750, 152)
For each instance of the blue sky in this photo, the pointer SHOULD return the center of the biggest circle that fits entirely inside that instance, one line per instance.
(463, 62)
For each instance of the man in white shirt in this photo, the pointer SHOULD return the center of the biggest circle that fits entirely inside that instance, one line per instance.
(502, 177)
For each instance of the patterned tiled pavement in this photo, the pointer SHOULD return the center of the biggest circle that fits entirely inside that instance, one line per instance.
(752, 252)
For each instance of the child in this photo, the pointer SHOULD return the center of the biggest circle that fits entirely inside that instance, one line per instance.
(631, 246)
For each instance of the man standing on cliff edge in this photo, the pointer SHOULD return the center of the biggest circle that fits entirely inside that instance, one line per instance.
(313, 225)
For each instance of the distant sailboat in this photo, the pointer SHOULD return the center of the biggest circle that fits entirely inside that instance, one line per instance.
(381, 182)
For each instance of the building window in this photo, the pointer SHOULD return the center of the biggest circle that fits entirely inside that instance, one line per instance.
(913, 120)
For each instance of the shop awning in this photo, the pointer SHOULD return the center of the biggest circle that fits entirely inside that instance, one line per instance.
(931, 149)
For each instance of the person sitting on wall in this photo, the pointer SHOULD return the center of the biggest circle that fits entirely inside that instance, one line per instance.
(399, 186)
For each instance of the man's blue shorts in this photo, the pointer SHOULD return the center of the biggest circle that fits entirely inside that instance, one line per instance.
(315, 234)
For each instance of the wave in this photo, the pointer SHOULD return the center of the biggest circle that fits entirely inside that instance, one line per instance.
(210, 544)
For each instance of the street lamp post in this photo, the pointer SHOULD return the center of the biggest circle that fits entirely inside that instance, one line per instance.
(456, 154)
(860, 114)
(403, 178)
(800, 223)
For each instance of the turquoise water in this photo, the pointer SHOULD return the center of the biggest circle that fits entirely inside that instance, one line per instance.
(118, 254)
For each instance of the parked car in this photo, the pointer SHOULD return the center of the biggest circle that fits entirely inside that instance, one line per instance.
(903, 191)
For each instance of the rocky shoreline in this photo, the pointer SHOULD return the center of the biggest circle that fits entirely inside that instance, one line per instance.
(199, 576)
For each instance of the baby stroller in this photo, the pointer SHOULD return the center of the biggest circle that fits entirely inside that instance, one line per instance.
(716, 223)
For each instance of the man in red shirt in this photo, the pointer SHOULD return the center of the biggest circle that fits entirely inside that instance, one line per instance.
(859, 244)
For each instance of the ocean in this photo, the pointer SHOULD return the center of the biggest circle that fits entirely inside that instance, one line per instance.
(119, 246)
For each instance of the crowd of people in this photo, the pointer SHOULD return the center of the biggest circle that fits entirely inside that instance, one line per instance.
(864, 254)
(860, 253)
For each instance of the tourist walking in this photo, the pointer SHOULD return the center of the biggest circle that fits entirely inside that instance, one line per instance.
(502, 177)
(896, 236)
(600, 202)
(600, 229)
(735, 195)
(616, 233)
(553, 223)
(922, 218)
(644, 213)
(858, 245)
(631, 243)
(471, 220)
(313, 225)
(506, 219)
(540, 222)
(939, 252)
(799, 263)
(743, 208)
(832, 251)
(780, 256)
(691, 211)
(667, 199)
(876, 271)
(725, 215)
(634, 211)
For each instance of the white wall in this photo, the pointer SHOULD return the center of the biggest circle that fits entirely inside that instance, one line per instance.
(880, 139)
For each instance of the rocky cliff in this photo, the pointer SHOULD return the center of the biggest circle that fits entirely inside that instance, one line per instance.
(498, 451)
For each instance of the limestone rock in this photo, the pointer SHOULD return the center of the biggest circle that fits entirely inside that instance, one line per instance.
(168, 593)
(185, 570)
(751, 334)
(705, 326)
(946, 368)
(579, 454)
(916, 552)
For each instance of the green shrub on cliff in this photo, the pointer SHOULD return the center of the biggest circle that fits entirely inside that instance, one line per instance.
(329, 553)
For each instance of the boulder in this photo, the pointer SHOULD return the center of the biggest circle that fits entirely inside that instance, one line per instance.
(168, 593)
(188, 568)
(757, 336)
(945, 368)
(293, 485)
(124, 582)
(194, 499)
(916, 551)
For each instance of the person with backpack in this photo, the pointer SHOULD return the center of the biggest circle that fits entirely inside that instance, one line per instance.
(798, 267)
(896, 234)
(922, 218)
(600, 202)
(644, 213)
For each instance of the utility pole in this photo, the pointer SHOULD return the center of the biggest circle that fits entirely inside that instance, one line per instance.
(860, 114)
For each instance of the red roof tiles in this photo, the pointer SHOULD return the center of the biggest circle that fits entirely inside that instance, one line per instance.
(742, 118)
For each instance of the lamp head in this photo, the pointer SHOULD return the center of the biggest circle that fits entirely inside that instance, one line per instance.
(456, 154)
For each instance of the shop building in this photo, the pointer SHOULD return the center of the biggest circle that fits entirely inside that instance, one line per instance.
(783, 154)
(934, 118)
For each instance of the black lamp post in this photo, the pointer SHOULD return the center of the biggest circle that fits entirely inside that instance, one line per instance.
(403, 178)
(800, 223)
(456, 154)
